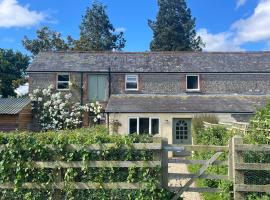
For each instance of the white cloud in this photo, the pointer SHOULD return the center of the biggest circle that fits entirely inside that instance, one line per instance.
(22, 90)
(218, 42)
(120, 29)
(255, 28)
(240, 3)
(14, 15)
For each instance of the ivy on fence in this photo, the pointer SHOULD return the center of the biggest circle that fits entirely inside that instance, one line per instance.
(24, 151)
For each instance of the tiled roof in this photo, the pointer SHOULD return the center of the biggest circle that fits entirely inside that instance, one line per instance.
(13, 106)
(186, 62)
(185, 103)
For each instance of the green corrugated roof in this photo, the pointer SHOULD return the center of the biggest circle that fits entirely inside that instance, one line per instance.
(12, 106)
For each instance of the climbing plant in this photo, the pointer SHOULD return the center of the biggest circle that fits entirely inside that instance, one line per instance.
(24, 148)
(56, 110)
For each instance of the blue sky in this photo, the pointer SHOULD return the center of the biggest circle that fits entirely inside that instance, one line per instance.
(225, 25)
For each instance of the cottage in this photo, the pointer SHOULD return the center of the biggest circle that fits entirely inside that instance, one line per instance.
(15, 113)
(159, 92)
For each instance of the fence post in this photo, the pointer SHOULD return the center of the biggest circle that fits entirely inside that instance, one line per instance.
(57, 176)
(230, 160)
(164, 163)
(238, 175)
(163, 157)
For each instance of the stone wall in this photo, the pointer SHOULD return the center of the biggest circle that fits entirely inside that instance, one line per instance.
(43, 80)
(167, 83)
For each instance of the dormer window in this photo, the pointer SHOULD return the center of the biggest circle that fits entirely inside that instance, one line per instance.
(63, 81)
(131, 82)
(192, 83)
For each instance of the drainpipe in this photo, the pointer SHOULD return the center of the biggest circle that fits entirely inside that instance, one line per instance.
(110, 81)
(81, 88)
(108, 115)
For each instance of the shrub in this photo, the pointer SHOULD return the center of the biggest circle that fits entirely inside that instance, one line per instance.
(24, 147)
(259, 127)
(56, 111)
(215, 135)
(197, 123)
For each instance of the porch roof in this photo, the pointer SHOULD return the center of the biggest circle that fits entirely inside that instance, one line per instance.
(185, 103)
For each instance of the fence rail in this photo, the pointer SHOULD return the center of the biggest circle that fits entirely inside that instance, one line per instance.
(239, 166)
(160, 148)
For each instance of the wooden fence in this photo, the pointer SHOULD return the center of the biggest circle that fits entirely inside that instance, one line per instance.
(160, 148)
(239, 167)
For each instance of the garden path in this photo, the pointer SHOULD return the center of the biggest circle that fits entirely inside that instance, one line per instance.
(182, 168)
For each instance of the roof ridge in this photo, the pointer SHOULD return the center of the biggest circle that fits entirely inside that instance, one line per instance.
(160, 52)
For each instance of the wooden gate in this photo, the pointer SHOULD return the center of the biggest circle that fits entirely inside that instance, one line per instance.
(231, 157)
(201, 173)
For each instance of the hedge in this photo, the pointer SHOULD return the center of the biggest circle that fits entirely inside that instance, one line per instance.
(23, 147)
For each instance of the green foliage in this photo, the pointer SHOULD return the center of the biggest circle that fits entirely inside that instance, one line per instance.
(47, 40)
(174, 28)
(216, 135)
(197, 123)
(25, 147)
(258, 131)
(12, 71)
(97, 32)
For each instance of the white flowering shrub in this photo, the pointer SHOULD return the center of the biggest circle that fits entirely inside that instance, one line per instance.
(56, 111)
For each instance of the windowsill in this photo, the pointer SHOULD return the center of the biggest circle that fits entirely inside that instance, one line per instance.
(131, 90)
(193, 91)
(63, 89)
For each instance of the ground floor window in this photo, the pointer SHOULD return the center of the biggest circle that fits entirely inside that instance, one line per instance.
(142, 125)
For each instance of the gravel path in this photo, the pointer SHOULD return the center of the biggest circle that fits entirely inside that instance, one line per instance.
(182, 168)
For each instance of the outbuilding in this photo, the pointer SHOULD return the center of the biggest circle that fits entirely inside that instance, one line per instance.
(15, 113)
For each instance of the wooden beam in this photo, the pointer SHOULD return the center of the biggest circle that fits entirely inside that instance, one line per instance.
(204, 176)
(80, 164)
(177, 147)
(200, 162)
(250, 147)
(252, 166)
(100, 147)
(78, 186)
(200, 190)
(252, 188)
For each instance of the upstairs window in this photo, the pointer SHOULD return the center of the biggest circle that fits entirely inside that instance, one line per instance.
(63, 81)
(131, 82)
(193, 83)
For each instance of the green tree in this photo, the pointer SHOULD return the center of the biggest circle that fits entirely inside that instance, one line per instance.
(174, 28)
(96, 31)
(12, 71)
(47, 40)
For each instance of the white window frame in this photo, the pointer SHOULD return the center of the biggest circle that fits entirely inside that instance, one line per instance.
(137, 82)
(59, 74)
(138, 125)
(199, 86)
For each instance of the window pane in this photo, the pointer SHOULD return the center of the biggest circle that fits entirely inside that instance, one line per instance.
(63, 77)
(144, 125)
(130, 85)
(155, 126)
(132, 78)
(62, 86)
(132, 126)
(192, 82)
